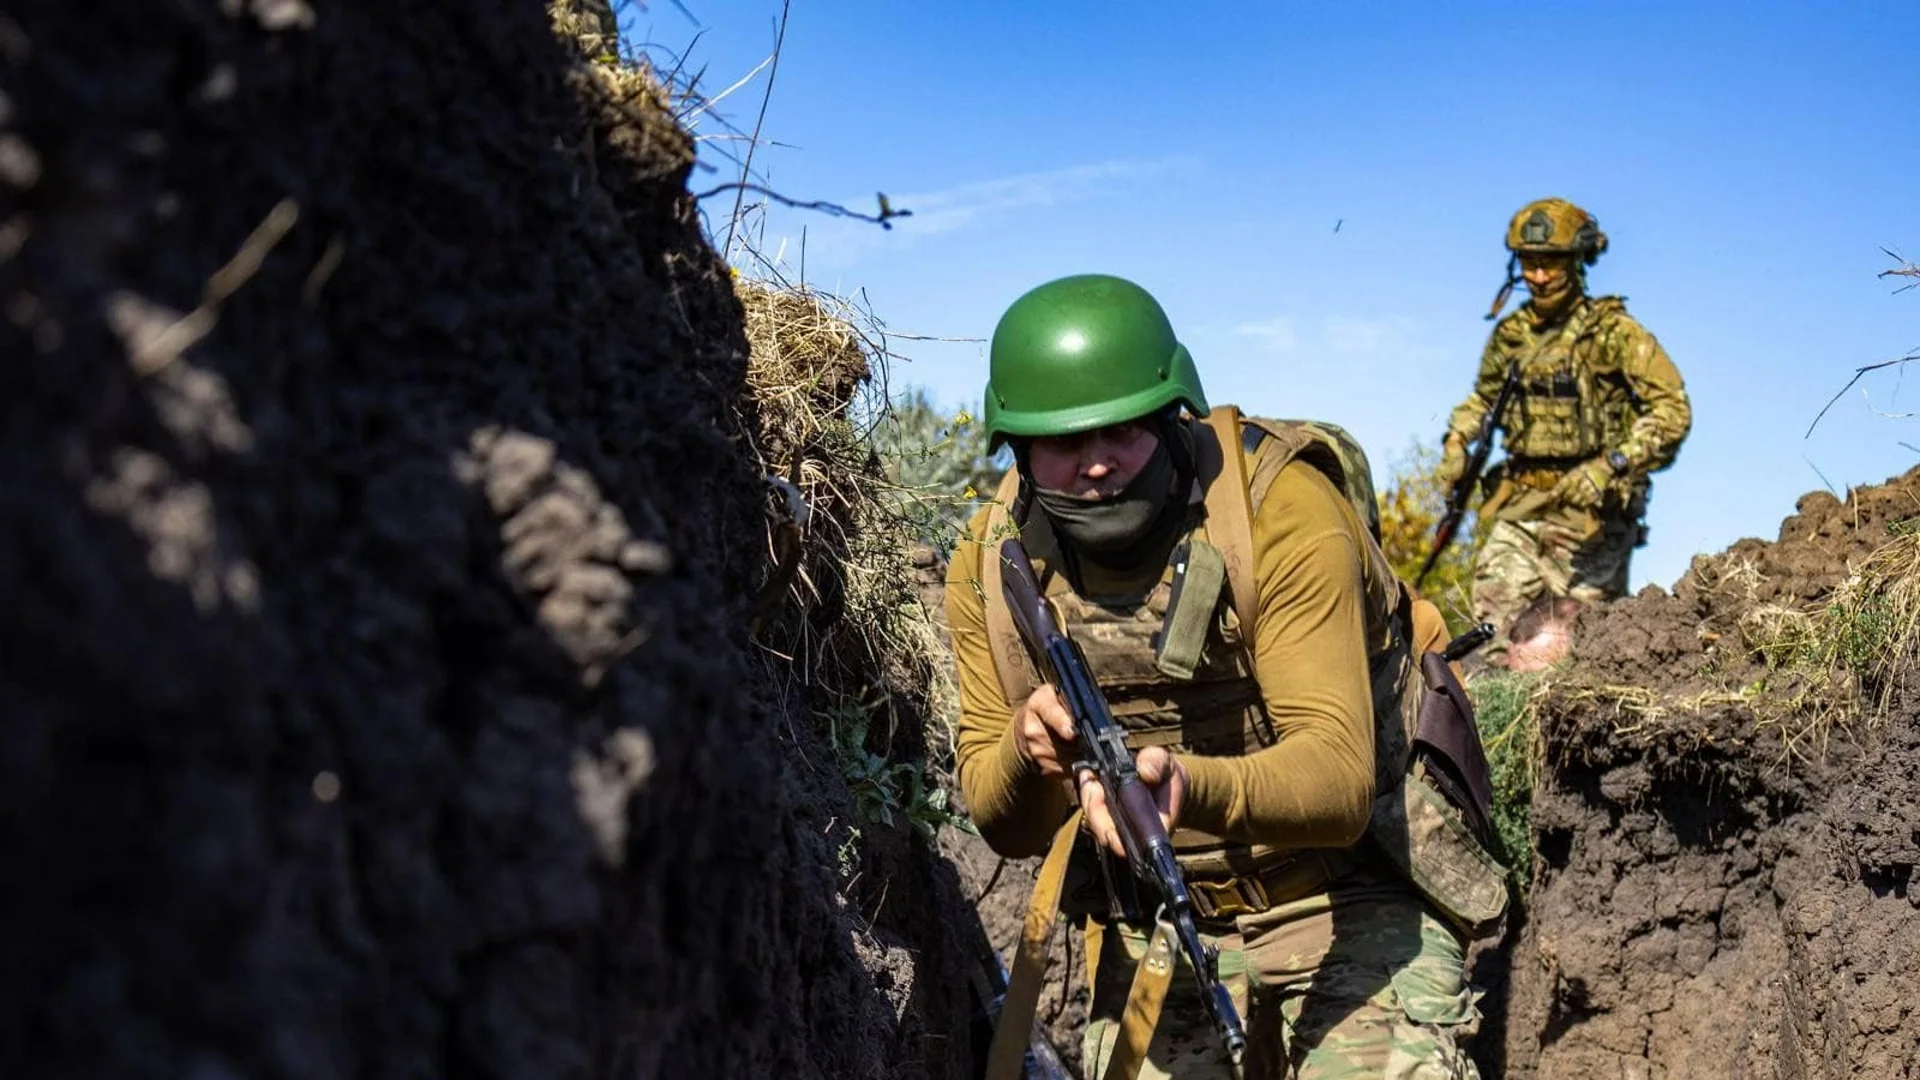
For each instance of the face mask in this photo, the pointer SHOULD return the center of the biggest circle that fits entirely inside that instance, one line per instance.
(1547, 304)
(1103, 526)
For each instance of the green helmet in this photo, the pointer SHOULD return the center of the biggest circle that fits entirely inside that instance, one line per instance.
(1081, 353)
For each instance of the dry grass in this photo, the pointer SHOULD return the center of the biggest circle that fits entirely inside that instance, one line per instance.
(812, 384)
(1845, 657)
(807, 366)
(1871, 624)
(1827, 666)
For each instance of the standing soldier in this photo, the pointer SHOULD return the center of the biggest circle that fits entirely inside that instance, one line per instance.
(1597, 407)
(1221, 575)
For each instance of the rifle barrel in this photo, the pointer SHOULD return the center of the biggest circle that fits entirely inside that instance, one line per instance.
(1462, 489)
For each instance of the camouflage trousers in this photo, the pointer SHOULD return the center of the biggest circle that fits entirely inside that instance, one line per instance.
(1523, 560)
(1365, 981)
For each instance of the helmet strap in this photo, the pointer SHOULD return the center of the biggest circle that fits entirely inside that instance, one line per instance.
(1506, 290)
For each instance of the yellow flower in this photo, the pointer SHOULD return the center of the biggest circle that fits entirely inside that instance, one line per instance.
(963, 419)
(970, 493)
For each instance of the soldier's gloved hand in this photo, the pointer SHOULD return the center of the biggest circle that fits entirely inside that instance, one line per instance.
(1453, 460)
(1163, 774)
(1585, 485)
(1045, 730)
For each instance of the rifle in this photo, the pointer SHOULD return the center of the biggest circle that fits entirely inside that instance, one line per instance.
(1462, 489)
(1149, 849)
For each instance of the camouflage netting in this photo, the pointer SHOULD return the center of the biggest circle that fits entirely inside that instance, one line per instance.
(1728, 866)
(383, 512)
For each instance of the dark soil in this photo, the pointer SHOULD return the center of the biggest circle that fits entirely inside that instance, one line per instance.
(379, 528)
(1716, 893)
(1000, 889)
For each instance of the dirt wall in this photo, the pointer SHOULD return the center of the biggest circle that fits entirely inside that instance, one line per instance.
(378, 528)
(1724, 887)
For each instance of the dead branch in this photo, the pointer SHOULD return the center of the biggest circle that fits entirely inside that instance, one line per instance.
(1857, 373)
(1905, 270)
(746, 167)
(883, 219)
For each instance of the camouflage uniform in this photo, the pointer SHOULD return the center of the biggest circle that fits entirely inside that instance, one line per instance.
(1599, 407)
(1321, 1001)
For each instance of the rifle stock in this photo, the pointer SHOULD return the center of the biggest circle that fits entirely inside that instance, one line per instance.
(1103, 751)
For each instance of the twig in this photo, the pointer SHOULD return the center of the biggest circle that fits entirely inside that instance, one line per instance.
(883, 219)
(707, 104)
(1883, 414)
(934, 337)
(1905, 269)
(746, 167)
(1821, 475)
(322, 271)
(680, 60)
(166, 346)
(992, 880)
(1857, 373)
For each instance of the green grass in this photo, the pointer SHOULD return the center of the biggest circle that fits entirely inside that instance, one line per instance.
(1500, 704)
(885, 790)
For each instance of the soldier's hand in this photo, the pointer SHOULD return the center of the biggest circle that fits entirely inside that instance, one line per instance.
(1585, 485)
(1163, 774)
(1453, 460)
(1045, 730)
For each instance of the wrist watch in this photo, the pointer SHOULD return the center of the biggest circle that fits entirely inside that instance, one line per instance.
(1618, 461)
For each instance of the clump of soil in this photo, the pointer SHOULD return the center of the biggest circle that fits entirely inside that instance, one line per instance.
(1728, 868)
(380, 528)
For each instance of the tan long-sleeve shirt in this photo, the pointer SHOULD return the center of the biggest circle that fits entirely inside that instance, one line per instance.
(1311, 788)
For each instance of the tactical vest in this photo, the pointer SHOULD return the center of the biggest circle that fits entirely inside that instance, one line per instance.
(1573, 400)
(1207, 699)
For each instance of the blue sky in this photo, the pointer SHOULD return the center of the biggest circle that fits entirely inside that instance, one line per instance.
(1748, 162)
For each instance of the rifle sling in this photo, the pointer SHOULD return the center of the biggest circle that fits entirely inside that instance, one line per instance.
(1229, 516)
(1006, 1058)
(1146, 997)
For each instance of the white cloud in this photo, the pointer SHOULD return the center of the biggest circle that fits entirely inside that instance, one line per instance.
(956, 207)
(837, 242)
(1278, 334)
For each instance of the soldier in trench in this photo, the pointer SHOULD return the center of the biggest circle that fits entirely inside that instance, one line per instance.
(1266, 740)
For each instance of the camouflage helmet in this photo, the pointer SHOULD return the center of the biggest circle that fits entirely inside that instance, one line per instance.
(1083, 352)
(1555, 227)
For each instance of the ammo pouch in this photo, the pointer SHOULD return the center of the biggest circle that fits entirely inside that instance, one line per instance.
(1437, 826)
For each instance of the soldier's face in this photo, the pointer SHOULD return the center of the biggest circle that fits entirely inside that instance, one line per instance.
(1546, 275)
(1092, 464)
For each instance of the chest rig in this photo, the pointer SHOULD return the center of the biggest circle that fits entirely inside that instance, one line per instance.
(1187, 680)
(1574, 401)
